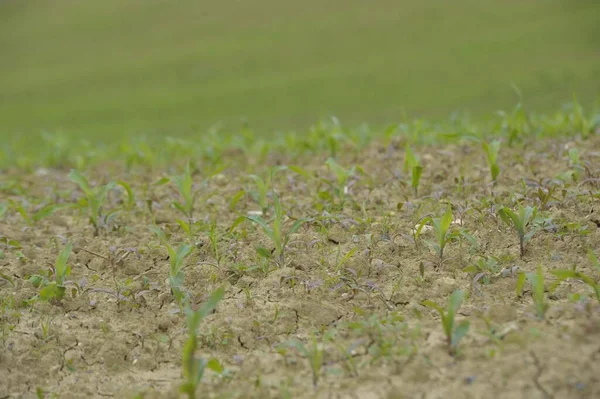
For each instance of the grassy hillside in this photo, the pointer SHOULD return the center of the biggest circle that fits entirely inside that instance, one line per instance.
(155, 66)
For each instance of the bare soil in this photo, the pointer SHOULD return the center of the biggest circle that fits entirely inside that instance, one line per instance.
(119, 333)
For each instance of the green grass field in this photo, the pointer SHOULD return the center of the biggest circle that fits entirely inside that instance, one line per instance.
(114, 67)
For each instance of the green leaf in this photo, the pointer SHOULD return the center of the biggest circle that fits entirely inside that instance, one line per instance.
(471, 269)
(3, 209)
(446, 220)
(237, 222)
(416, 176)
(262, 190)
(459, 332)
(48, 210)
(263, 224)
(346, 257)
(470, 238)
(50, 291)
(421, 225)
(182, 252)
(200, 367)
(235, 199)
(36, 280)
(160, 182)
(564, 274)
(454, 304)
(21, 211)
(130, 196)
(430, 304)
(216, 366)
(526, 214)
(297, 224)
(510, 217)
(340, 173)
(181, 208)
(527, 237)
(61, 263)
(211, 303)
(300, 171)
(410, 159)
(185, 226)
(264, 252)
(159, 233)
(81, 181)
(495, 171)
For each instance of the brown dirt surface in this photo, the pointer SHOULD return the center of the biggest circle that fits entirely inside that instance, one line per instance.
(118, 332)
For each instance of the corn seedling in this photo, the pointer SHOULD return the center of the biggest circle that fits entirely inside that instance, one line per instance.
(342, 176)
(484, 269)
(577, 165)
(441, 227)
(516, 123)
(574, 274)
(263, 187)
(32, 218)
(56, 289)
(491, 153)
(94, 197)
(184, 184)
(176, 258)
(130, 203)
(413, 165)
(577, 118)
(314, 352)
(520, 220)
(546, 191)
(278, 237)
(536, 280)
(193, 367)
(454, 332)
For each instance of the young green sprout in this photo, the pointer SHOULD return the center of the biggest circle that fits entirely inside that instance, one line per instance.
(278, 237)
(314, 352)
(516, 123)
(441, 227)
(263, 187)
(520, 220)
(32, 218)
(413, 165)
(184, 184)
(261, 194)
(342, 176)
(537, 290)
(491, 153)
(95, 196)
(576, 163)
(454, 332)
(56, 289)
(564, 274)
(176, 258)
(193, 368)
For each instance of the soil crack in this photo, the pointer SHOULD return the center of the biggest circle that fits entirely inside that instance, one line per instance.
(538, 374)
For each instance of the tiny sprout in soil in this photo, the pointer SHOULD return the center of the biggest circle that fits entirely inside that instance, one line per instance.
(520, 220)
(94, 197)
(193, 367)
(454, 332)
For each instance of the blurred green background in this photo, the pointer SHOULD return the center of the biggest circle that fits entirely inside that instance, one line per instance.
(112, 67)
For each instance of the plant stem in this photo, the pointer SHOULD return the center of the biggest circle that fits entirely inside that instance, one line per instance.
(522, 245)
